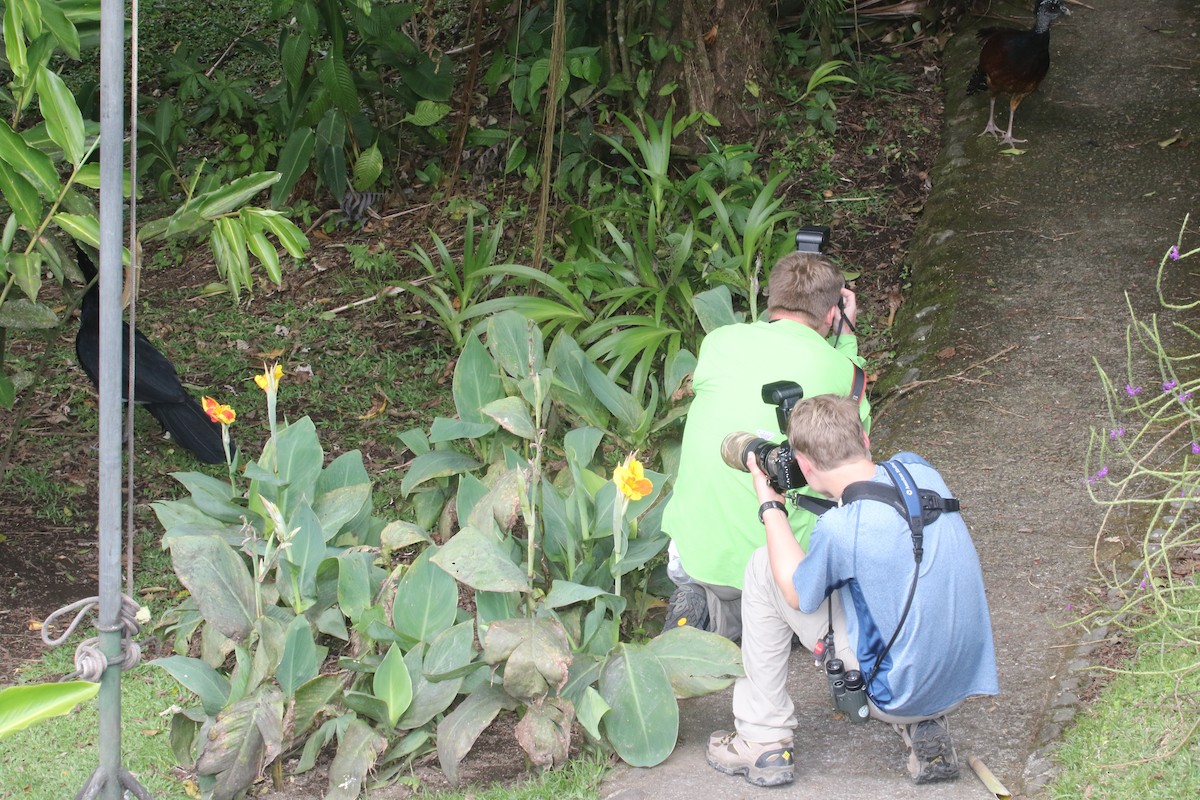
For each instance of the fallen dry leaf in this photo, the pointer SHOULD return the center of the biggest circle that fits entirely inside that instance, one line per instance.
(381, 404)
(946, 352)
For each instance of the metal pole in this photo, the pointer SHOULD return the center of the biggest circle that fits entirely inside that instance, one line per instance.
(112, 160)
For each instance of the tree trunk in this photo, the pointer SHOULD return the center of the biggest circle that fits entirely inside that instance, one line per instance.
(727, 49)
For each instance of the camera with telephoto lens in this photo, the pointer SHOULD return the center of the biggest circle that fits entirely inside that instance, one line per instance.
(776, 460)
(846, 688)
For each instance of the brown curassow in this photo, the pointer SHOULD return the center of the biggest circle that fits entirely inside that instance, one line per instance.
(1014, 62)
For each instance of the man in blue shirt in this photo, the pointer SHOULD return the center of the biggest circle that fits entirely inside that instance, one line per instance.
(857, 577)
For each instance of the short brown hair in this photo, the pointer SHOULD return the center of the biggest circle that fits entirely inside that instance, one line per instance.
(827, 429)
(804, 282)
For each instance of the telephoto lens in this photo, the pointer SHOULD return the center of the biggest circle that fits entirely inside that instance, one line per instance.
(739, 444)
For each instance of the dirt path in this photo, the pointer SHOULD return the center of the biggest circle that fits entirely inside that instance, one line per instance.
(1029, 256)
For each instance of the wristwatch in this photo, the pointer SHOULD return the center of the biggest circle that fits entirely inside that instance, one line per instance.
(767, 506)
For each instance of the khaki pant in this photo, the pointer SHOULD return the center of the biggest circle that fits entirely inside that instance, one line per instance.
(762, 709)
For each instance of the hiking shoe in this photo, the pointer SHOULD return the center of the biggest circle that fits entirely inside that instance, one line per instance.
(688, 606)
(763, 763)
(932, 757)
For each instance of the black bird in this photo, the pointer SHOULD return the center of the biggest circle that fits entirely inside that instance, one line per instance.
(156, 384)
(1014, 62)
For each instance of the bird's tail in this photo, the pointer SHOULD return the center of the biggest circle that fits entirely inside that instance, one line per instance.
(191, 428)
(978, 82)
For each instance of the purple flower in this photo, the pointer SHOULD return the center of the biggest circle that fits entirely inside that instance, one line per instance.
(1195, 449)
(1132, 391)
(1099, 474)
(1117, 433)
(1173, 253)
(1186, 397)
(1169, 385)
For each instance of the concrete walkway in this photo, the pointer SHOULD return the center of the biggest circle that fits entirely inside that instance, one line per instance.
(1030, 257)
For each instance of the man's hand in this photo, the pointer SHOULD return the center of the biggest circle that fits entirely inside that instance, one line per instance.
(762, 487)
(850, 305)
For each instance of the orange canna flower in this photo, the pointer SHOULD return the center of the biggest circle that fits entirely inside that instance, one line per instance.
(263, 379)
(631, 479)
(218, 412)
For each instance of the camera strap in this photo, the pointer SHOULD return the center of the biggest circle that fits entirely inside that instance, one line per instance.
(919, 507)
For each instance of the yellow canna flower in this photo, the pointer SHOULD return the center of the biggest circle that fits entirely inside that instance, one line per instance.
(263, 380)
(218, 412)
(631, 479)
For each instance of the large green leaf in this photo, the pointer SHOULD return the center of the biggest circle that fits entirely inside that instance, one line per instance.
(61, 28)
(303, 555)
(293, 163)
(300, 661)
(299, 458)
(449, 652)
(476, 381)
(354, 583)
(290, 237)
(339, 82)
(21, 197)
(360, 746)
(64, 123)
(212, 496)
(22, 706)
(331, 152)
(313, 698)
(233, 195)
(336, 507)
(643, 722)
(477, 559)
(456, 734)
(426, 600)
(199, 678)
(714, 308)
(29, 162)
(393, 685)
(512, 414)
(219, 580)
(435, 464)
(19, 313)
(367, 168)
(516, 344)
(535, 652)
(565, 593)
(697, 662)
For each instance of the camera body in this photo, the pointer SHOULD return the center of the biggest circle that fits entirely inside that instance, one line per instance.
(812, 239)
(776, 460)
(847, 690)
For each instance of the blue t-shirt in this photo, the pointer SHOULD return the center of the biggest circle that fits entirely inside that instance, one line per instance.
(864, 550)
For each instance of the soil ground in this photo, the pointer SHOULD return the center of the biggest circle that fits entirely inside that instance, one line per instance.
(1017, 274)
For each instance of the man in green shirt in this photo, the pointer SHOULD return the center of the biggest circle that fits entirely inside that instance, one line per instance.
(711, 517)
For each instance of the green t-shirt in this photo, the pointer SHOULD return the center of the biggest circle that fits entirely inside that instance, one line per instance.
(713, 512)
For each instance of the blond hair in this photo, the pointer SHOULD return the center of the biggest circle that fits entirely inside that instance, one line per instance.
(804, 282)
(827, 429)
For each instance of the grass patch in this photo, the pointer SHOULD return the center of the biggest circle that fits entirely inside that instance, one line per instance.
(53, 760)
(579, 779)
(1140, 737)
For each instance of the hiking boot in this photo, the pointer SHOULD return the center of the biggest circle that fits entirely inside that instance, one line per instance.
(688, 606)
(763, 763)
(932, 757)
